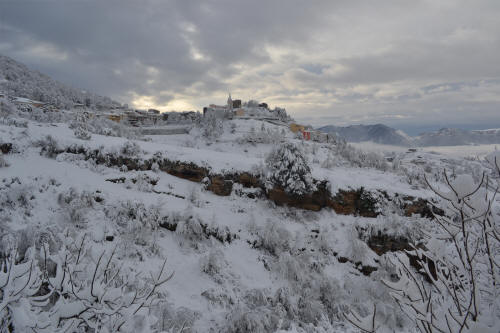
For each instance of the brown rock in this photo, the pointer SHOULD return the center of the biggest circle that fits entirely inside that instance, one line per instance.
(5, 148)
(248, 180)
(220, 186)
(354, 202)
(420, 206)
(189, 171)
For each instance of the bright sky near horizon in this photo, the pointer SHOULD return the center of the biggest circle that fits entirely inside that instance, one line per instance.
(408, 64)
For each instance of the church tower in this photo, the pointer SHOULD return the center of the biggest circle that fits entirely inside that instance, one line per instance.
(230, 102)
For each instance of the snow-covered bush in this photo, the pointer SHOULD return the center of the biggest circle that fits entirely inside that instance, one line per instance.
(3, 162)
(213, 264)
(356, 250)
(287, 168)
(190, 227)
(80, 126)
(50, 147)
(7, 108)
(142, 182)
(130, 149)
(15, 197)
(76, 205)
(16, 122)
(211, 127)
(259, 319)
(194, 196)
(273, 237)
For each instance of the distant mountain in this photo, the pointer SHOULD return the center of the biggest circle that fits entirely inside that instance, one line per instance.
(457, 137)
(18, 80)
(378, 133)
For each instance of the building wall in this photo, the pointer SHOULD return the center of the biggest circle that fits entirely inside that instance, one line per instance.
(296, 128)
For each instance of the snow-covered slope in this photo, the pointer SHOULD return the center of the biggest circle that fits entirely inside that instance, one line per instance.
(87, 221)
(18, 80)
(240, 263)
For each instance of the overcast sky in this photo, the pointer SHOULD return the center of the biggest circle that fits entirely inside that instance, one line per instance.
(410, 64)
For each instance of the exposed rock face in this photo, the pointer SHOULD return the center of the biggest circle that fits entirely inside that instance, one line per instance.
(280, 197)
(189, 171)
(248, 180)
(424, 208)
(347, 202)
(382, 243)
(218, 185)
(355, 202)
(5, 148)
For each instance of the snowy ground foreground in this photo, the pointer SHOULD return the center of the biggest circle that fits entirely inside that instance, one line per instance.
(279, 274)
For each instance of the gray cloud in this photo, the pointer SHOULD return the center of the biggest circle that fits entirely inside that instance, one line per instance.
(397, 62)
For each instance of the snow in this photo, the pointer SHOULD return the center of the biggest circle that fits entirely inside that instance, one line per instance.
(275, 249)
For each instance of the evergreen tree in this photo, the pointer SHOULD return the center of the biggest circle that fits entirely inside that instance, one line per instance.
(288, 169)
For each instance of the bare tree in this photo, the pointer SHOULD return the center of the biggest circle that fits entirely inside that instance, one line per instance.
(84, 292)
(463, 293)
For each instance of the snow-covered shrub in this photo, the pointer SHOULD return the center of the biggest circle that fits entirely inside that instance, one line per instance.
(213, 264)
(16, 122)
(130, 149)
(173, 320)
(291, 268)
(190, 227)
(252, 320)
(356, 250)
(50, 147)
(288, 169)
(80, 126)
(211, 127)
(132, 215)
(16, 197)
(3, 162)
(155, 167)
(394, 225)
(273, 238)
(7, 108)
(194, 196)
(76, 205)
(142, 182)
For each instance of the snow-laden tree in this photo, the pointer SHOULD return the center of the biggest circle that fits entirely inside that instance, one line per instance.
(75, 290)
(80, 126)
(457, 287)
(287, 168)
(211, 127)
(3, 162)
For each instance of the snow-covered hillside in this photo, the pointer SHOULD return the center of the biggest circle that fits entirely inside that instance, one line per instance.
(18, 80)
(92, 219)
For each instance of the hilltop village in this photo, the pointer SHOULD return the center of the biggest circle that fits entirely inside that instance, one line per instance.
(154, 122)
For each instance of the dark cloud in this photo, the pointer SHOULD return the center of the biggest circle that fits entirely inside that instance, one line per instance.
(393, 61)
